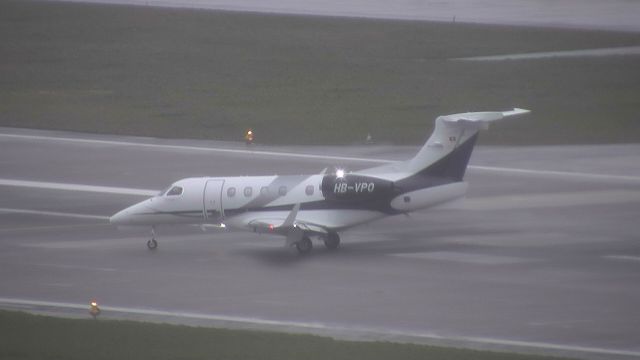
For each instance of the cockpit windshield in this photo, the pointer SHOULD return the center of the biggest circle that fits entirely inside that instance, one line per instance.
(175, 191)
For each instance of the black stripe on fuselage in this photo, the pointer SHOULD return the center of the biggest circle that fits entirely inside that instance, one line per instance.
(454, 165)
(450, 169)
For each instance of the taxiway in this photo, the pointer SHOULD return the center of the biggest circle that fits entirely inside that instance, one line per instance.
(543, 256)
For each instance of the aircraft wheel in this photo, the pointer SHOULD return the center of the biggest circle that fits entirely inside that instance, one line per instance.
(152, 244)
(332, 241)
(304, 246)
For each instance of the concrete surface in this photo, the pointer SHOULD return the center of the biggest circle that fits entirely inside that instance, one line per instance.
(537, 261)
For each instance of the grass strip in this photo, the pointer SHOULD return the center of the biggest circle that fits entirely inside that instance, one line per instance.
(27, 336)
(181, 73)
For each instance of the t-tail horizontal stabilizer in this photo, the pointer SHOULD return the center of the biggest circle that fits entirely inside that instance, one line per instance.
(482, 118)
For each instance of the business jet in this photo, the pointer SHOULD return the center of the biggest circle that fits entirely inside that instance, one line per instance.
(319, 206)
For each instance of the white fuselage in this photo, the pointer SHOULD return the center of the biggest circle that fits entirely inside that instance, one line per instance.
(235, 201)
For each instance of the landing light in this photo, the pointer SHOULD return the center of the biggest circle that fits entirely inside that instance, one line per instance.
(339, 173)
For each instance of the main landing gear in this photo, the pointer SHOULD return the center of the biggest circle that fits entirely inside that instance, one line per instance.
(304, 245)
(332, 241)
(152, 244)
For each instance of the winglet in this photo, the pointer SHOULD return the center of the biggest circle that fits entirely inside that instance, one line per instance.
(291, 218)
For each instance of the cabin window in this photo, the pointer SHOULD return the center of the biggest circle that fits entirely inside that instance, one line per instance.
(248, 191)
(175, 191)
(309, 190)
(282, 190)
(231, 192)
(264, 190)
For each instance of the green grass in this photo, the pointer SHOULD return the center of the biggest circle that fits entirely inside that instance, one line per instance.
(296, 80)
(25, 336)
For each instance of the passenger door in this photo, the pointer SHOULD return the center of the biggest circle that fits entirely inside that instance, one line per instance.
(213, 201)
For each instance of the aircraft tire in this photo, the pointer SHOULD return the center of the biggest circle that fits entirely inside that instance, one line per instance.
(304, 246)
(152, 244)
(332, 241)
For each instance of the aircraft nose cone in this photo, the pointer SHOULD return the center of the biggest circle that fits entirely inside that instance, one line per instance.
(133, 215)
(119, 218)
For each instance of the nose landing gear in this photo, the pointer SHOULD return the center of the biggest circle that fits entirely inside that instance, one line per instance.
(152, 244)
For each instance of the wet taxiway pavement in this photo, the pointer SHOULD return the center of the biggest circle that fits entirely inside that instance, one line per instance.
(537, 260)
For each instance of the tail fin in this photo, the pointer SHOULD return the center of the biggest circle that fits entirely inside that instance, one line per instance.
(447, 152)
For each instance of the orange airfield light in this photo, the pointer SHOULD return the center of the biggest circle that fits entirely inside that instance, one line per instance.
(248, 137)
(94, 310)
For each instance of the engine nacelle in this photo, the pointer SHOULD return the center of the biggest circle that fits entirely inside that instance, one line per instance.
(353, 187)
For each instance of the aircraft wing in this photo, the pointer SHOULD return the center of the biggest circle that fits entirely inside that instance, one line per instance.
(274, 225)
(284, 226)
